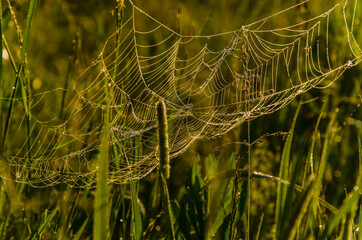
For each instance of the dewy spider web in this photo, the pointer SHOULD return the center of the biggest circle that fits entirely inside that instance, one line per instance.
(208, 90)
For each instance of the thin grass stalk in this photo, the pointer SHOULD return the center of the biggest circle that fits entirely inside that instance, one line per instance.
(351, 220)
(136, 224)
(1, 70)
(162, 129)
(249, 182)
(259, 227)
(310, 160)
(351, 200)
(287, 218)
(117, 202)
(11, 58)
(164, 169)
(67, 208)
(113, 213)
(73, 212)
(80, 231)
(5, 219)
(119, 17)
(293, 223)
(323, 162)
(120, 6)
(259, 175)
(136, 214)
(348, 227)
(360, 185)
(45, 222)
(360, 162)
(236, 199)
(283, 174)
(19, 71)
(100, 227)
(70, 70)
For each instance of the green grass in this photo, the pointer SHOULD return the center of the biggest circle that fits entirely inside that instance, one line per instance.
(312, 181)
(205, 206)
(164, 168)
(102, 193)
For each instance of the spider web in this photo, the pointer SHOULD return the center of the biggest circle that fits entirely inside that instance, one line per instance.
(210, 84)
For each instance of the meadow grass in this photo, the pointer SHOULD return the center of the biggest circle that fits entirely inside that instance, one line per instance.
(309, 195)
(204, 207)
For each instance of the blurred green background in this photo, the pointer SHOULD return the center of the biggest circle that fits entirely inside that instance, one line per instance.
(57, 23)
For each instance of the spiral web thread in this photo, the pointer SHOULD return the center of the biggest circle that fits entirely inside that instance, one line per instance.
(210, 84)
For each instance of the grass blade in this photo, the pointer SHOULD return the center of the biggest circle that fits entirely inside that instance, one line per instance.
(348, 227)
(136, 214)
(293, 222)
(47, 219)
(137, 223)
(360, 184)
(242, 206)
(310, 160)
(20, 67)
(283, 174)
(1, 67)
(80, 231)
(166, 205)
(100, 227)
(350, 201)
(259, 227)
(323, 162)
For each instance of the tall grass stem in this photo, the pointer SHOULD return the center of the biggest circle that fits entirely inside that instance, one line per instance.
(163, 139)
(100, 222)
(164, 171)
(19, 71)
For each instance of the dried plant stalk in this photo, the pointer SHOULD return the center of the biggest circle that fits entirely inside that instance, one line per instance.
(162, 130)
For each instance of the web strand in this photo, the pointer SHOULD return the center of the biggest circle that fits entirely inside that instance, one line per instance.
(208, 89)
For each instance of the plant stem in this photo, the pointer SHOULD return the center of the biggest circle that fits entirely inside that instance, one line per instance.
(164, 171)
(249, 180)
(19, 71)
(163, 139)
(1, 67)
(100, 226)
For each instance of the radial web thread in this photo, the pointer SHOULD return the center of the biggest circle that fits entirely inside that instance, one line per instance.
(210, 84)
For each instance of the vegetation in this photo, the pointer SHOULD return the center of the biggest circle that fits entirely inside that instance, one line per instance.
(292, 174)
